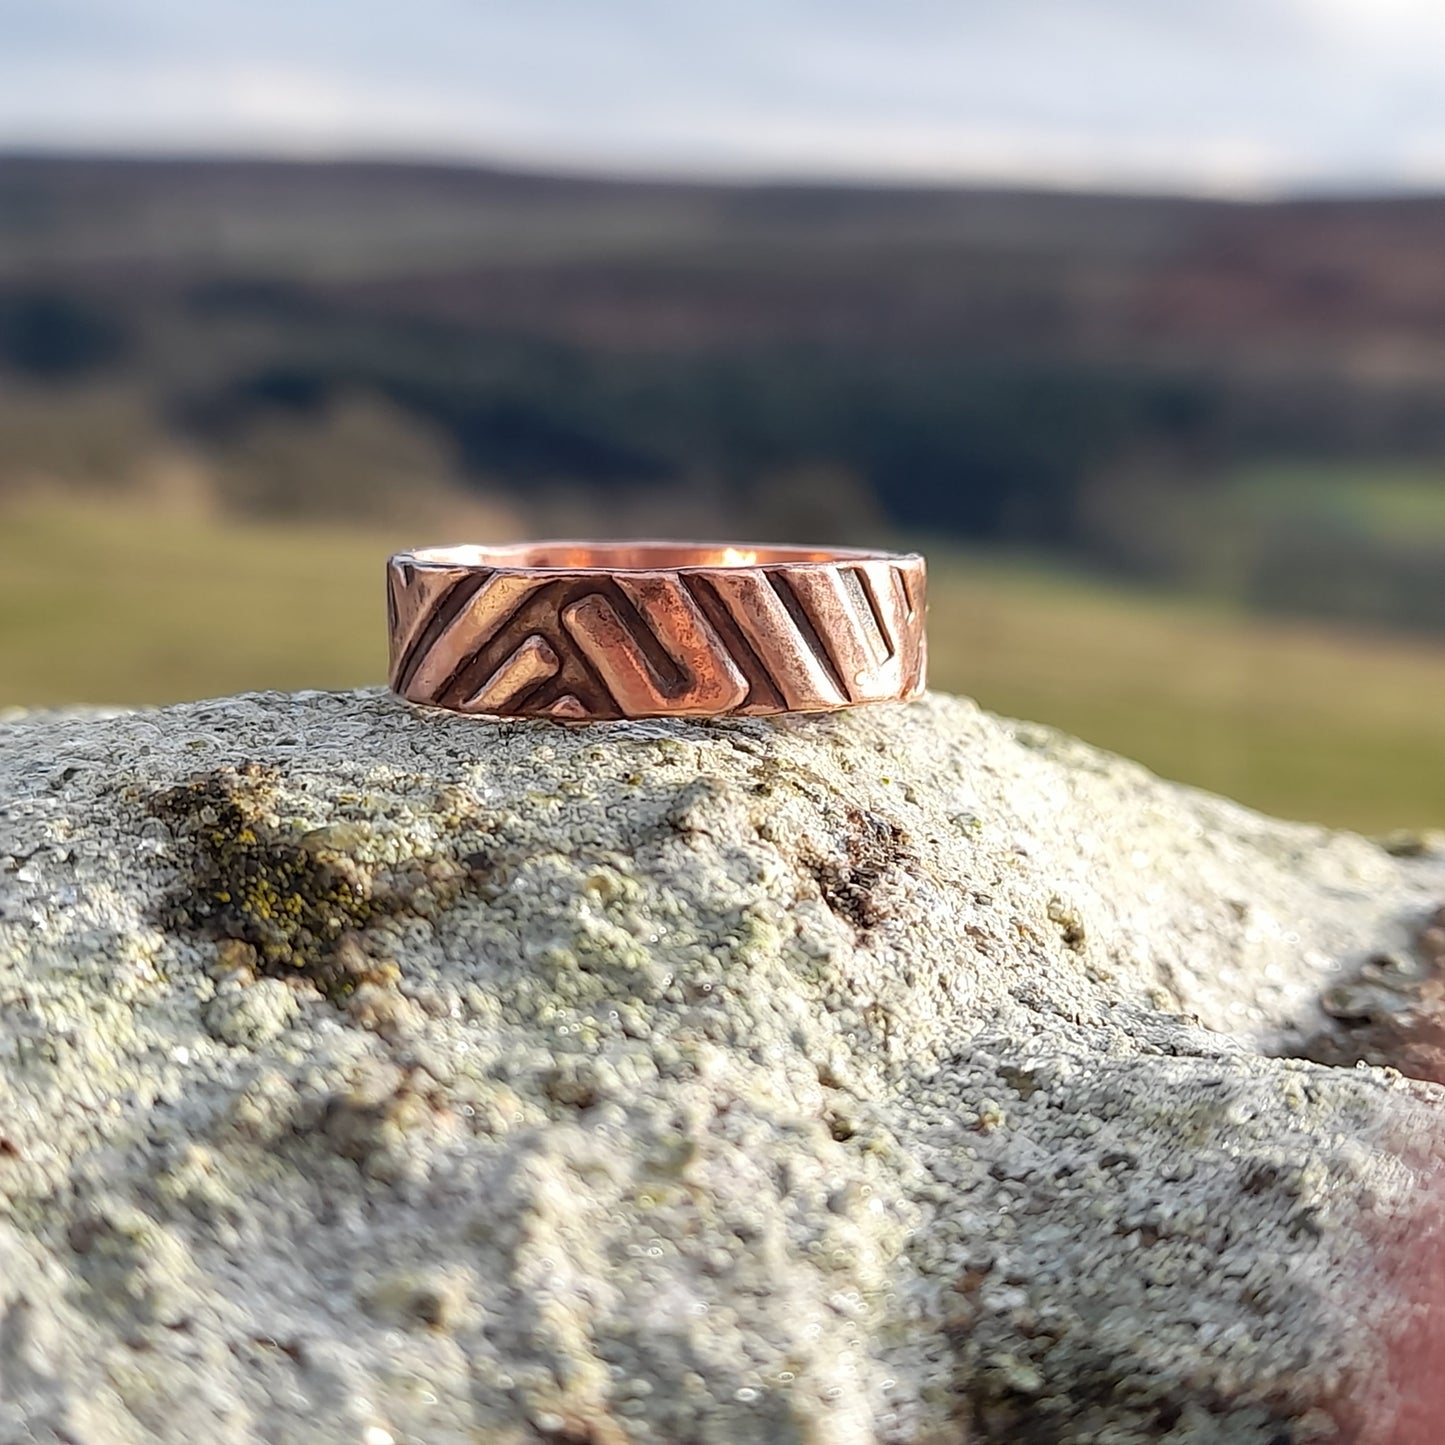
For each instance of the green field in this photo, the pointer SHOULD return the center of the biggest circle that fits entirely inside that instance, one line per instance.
(100, 604)
(1381, 502)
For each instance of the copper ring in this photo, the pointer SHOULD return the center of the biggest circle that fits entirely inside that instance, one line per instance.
(589, 631)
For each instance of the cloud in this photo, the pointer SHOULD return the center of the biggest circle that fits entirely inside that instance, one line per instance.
(1238, 94)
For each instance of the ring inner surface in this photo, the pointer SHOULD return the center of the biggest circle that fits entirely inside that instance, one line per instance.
(624, 556)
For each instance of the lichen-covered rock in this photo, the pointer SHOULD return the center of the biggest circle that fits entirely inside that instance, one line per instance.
(901, 1075)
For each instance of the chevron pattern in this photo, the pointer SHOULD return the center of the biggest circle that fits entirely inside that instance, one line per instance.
(689, 642)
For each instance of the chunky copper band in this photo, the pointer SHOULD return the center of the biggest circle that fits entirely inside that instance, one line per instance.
(653, 629)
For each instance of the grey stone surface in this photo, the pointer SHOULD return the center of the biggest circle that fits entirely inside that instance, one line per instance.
(903, 1075)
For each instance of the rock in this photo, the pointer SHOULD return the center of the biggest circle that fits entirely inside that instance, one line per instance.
(901, 1075)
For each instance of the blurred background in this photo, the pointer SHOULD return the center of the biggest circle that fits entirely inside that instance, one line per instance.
(1132, 315)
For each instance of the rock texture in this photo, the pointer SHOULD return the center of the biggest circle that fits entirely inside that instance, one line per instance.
(902, 1075)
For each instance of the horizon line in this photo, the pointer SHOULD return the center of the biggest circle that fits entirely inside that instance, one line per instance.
(710, 176)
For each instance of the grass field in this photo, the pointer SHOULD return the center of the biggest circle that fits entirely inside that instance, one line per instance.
(99, 604)
(1399, 503)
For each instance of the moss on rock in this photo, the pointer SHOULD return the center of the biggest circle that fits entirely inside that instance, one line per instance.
(301, 898)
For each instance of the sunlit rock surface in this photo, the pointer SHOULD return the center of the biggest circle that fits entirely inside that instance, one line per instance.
(902, 1075)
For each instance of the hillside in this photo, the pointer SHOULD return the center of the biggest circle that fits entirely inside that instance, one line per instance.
(1123, 378)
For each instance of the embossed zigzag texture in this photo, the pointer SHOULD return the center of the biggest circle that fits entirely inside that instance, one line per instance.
(742, 640)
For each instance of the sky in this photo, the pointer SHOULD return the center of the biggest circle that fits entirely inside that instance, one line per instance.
(1221, 96)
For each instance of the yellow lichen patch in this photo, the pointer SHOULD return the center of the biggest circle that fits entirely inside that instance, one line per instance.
(301, 899)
